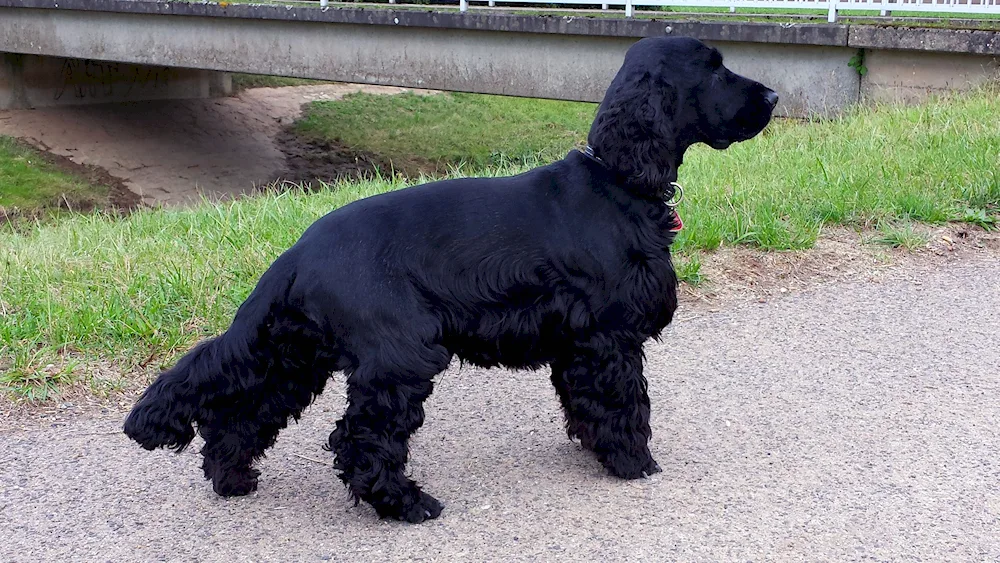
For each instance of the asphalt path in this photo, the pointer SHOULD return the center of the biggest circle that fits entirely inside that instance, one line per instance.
(850, 422)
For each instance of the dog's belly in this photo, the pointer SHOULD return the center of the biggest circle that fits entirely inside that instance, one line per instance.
(532, 337)
(524, 337)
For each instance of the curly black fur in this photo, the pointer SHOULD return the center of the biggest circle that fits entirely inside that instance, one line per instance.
(567, 265)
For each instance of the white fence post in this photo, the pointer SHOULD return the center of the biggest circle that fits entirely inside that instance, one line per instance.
(324, 3)
(885, 7)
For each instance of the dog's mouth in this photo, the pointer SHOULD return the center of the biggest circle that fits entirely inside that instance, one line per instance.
(740, 135)
(748, 124)
(720, 144)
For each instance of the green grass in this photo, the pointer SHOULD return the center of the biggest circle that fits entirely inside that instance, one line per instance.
(247, 81)
(900, 236)
(29, 182)
(436, 133)
(932, 163)
(136, 289)
(142, 288)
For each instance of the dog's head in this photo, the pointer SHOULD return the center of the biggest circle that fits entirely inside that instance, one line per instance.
(669, 94)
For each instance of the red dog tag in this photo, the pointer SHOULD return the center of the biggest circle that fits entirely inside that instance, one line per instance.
(677, 221)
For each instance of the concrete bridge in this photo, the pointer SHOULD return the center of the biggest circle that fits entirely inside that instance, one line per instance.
(85, 51)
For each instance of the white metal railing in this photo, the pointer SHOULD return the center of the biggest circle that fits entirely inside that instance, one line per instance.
(831, 7)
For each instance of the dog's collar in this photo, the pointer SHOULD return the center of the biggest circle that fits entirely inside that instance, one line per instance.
(675, 196)
(588, 151)
(672, 197)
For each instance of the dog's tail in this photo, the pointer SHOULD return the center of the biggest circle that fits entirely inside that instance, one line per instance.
(213, 371)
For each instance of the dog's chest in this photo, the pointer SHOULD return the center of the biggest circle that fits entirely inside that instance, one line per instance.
(649, 284)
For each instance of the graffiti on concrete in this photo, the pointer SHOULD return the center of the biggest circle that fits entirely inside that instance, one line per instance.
(86, 78)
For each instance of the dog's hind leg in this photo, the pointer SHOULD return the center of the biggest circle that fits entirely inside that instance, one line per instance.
(232, 445)
(604, 395)
(235, 442)
(385, 406)
(239, 434)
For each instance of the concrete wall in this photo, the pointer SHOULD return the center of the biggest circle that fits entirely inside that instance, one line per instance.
(544, 65)
(29, 81)
(911, 76)
(547, 57)
(811, 80)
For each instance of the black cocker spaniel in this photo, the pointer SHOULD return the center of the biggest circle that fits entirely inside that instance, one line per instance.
(567, 265)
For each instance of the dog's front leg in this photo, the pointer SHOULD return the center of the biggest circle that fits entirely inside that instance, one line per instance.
(604, 395)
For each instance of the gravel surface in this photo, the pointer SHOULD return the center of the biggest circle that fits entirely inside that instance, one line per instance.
(848, 422)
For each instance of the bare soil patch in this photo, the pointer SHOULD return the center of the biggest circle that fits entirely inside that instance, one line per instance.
(180, 151)
(119, 196)
(741, 274)
(308, 161)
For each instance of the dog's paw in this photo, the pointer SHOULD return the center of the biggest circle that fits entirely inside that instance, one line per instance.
(236, 483)
(652, 471)
(427, 508)
(629, 467)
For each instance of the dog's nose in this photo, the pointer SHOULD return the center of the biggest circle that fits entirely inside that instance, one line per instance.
(771, 97)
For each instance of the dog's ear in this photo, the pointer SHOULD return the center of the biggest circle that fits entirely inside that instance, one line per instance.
(634, 134)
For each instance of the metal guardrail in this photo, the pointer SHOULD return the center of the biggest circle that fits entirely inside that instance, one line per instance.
(832, 7)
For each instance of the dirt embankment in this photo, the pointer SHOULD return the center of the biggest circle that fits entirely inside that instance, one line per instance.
(176, 152)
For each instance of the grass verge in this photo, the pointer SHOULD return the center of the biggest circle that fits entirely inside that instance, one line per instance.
(137, 290)
(932, 163)
(247, 81)
(31, 182)
(435, 134)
